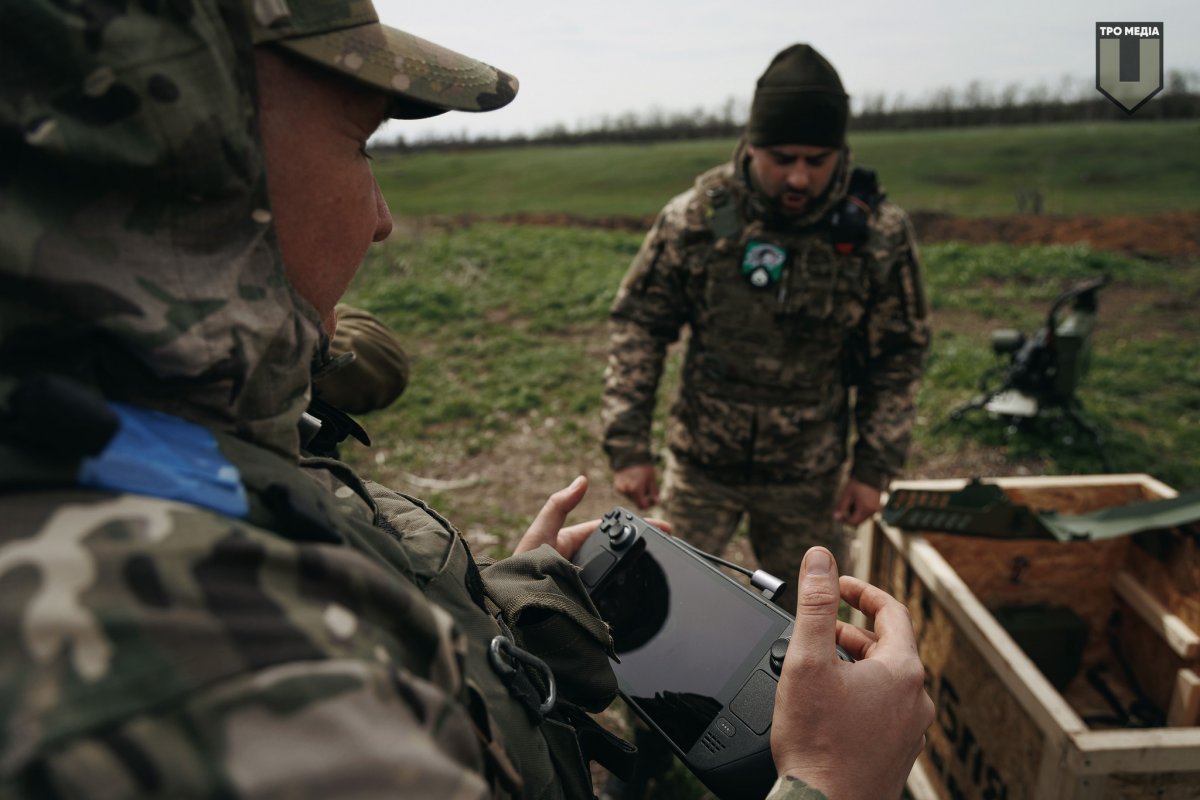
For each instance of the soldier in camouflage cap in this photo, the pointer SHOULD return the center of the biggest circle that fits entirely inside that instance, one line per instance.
(191, 607)
(801, 289)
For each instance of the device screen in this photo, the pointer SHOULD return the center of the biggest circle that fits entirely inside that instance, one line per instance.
(684, 639)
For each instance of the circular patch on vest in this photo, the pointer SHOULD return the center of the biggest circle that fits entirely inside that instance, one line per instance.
(762, 263)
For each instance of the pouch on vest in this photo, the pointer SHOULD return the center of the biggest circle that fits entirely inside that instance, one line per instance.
(544, 603)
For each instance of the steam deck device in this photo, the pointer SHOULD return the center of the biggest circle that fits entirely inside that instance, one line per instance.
(699, 653)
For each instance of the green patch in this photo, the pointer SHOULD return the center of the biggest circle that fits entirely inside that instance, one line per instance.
(762, 263)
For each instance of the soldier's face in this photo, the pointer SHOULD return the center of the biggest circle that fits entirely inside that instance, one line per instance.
(326, 205)
(793, 175)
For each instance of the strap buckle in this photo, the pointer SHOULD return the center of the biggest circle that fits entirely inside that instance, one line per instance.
(507, 660)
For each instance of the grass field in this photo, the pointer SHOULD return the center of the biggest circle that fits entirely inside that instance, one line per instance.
(1080, 168)
(506, 328)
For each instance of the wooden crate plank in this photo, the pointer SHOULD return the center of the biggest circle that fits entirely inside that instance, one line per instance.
(920, 785)
(1173, 577)
(975, 749)
(1138, 750)
(1181, 638)
(1022, 678)
(1184, 710)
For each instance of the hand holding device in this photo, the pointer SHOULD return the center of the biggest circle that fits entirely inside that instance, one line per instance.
(852, 730)
(547, 527)
(699, 653)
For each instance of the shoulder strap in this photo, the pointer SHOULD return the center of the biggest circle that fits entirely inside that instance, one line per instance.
(864, 185)
(849, 222)
(724, 218)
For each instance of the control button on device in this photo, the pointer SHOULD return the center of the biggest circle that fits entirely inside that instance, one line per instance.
(778, 651)
(597, 568)
(725, 727)
(755, 703)
(619, 537)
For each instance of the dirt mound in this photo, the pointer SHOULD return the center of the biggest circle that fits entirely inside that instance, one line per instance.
(1172, 235)
(1159, 236)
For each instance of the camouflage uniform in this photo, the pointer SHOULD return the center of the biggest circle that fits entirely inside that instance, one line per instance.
(192, 608)
(761, 421)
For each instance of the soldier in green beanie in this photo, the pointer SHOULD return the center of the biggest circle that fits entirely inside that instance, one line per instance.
(800, 287)
(801, 290)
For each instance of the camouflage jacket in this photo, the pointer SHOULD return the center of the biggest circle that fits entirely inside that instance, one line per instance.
(190, 607)
(765, 387)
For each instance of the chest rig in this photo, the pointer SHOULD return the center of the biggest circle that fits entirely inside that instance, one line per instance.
(56, 434)
(777, 305)
(847, 224)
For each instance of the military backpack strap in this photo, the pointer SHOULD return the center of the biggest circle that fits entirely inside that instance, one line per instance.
(324, 427)
(849, 222)
(596, 743)
(724, 218)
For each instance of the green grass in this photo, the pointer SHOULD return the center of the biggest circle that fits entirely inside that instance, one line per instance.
(506, 326)
(1080, 168)
(1143, 389)
(1092, 168)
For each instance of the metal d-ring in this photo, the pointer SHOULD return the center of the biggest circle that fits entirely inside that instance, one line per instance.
(505, 656)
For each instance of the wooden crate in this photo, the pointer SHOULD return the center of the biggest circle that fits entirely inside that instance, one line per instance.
(1002, 731)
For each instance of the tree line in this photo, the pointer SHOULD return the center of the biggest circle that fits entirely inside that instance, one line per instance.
(976, 104)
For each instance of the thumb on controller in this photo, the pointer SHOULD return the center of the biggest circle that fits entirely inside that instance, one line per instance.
(815, 632)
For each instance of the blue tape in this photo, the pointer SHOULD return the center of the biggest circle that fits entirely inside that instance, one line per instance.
(160, 455)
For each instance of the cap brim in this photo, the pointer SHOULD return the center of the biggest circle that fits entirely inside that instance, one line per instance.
(423, 78)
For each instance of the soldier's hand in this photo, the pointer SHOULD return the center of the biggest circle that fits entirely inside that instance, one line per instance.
(857, 503)
(639, 483)
(852, 730)
(547, 527)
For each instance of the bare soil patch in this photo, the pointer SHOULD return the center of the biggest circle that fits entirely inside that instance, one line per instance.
(1174, 235)
(1169, 236)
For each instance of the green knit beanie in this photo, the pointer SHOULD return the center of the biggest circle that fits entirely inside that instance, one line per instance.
(799, 100)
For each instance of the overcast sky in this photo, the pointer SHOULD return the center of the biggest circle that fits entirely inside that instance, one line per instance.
(580, 61)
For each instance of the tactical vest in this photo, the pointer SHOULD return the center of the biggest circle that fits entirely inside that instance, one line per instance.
(781, 340)
(535, 755)
(530, 751)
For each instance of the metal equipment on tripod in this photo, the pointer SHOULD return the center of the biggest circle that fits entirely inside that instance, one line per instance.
(1044, 371)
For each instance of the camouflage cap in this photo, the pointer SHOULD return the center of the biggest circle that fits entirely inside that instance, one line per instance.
(423, 78)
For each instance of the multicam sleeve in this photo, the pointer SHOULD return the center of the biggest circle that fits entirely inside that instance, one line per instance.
(646, 317)
(897, 339)
(788, 788)
(202, 656)
(334, 728)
